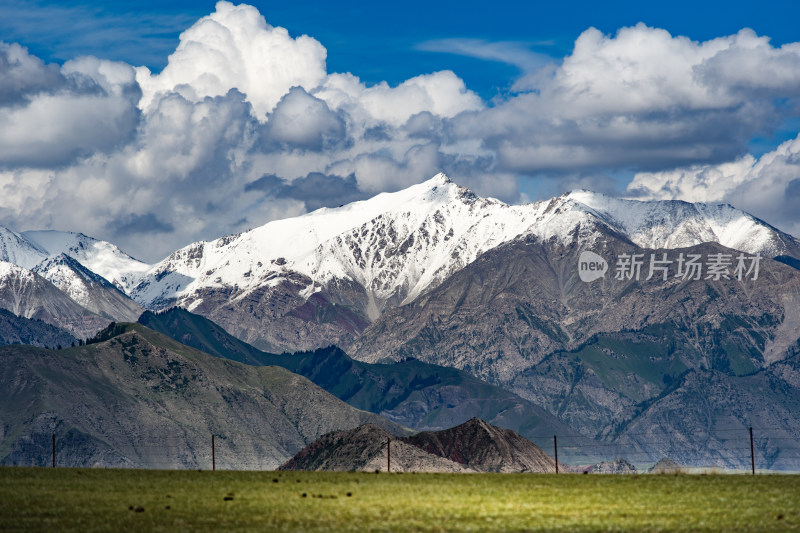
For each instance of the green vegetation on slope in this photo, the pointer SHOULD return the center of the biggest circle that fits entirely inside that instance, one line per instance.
(121, 500)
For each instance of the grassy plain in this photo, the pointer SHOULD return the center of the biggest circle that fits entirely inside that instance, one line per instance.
(39, 499)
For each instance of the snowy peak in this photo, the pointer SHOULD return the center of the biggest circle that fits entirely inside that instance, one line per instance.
(16, 249)
(88, 289)
(394, 245)
(677, 224)
(100, 257)
(70, 277)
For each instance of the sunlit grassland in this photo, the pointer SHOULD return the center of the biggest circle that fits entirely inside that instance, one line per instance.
(38, 499)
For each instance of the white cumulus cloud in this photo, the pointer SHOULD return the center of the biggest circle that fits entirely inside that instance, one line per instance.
(245, 124)
(235, 48)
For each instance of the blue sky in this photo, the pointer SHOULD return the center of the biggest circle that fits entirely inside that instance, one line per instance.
(517, 100)
(384, 40)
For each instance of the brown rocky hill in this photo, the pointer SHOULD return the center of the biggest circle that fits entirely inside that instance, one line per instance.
(485, 448)
(365, 449)
(474, 446)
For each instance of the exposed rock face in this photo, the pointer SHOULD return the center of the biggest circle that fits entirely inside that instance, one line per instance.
(90, 290)
(366, 448)
(520, 302)
(485, 448)
(28, 295)
(597, 354)
(140, 399)
(619, 466)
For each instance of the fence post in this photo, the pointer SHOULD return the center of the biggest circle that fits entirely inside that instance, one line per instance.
(213, 455)
(752, 453)
(389, 455)
(555, 447)
(54, 450)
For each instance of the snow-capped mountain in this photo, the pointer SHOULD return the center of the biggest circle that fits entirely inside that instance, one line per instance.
(397, 245)
(677, 224)
(29, 295)
(98, 256)
(16, 249)
(30, 248)
(350, 263)
(394, 245)
(67, 279)
(90, 290)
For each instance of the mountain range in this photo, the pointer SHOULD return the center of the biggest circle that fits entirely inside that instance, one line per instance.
(135, 398)
(609, 316)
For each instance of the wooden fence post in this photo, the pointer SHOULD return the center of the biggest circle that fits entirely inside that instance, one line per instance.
(555, 447)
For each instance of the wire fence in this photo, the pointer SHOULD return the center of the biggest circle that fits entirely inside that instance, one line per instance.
(754, 450)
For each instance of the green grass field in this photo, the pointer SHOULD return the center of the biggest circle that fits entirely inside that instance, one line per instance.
(38, 499)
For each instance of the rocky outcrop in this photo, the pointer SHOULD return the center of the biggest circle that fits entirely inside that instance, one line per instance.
(485, 448)
(474, 446)
(368, 448)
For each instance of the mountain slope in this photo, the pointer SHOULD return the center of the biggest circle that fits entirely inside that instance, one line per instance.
(28, 295)
(202, 334)
(522, 301)
(140, 399)
(88, 289)
(322, 278)
(18, 330)
(594, 354)
(706, 420)
(411, 393)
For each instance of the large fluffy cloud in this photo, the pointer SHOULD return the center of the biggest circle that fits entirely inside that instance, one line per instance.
(641, 99)
(245, 125)
(50, 115)
(234, 47)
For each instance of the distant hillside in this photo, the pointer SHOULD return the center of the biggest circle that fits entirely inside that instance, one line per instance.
(141, 399)
(411, 393)
(203, 334)
(485, 448)
(18, 330)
